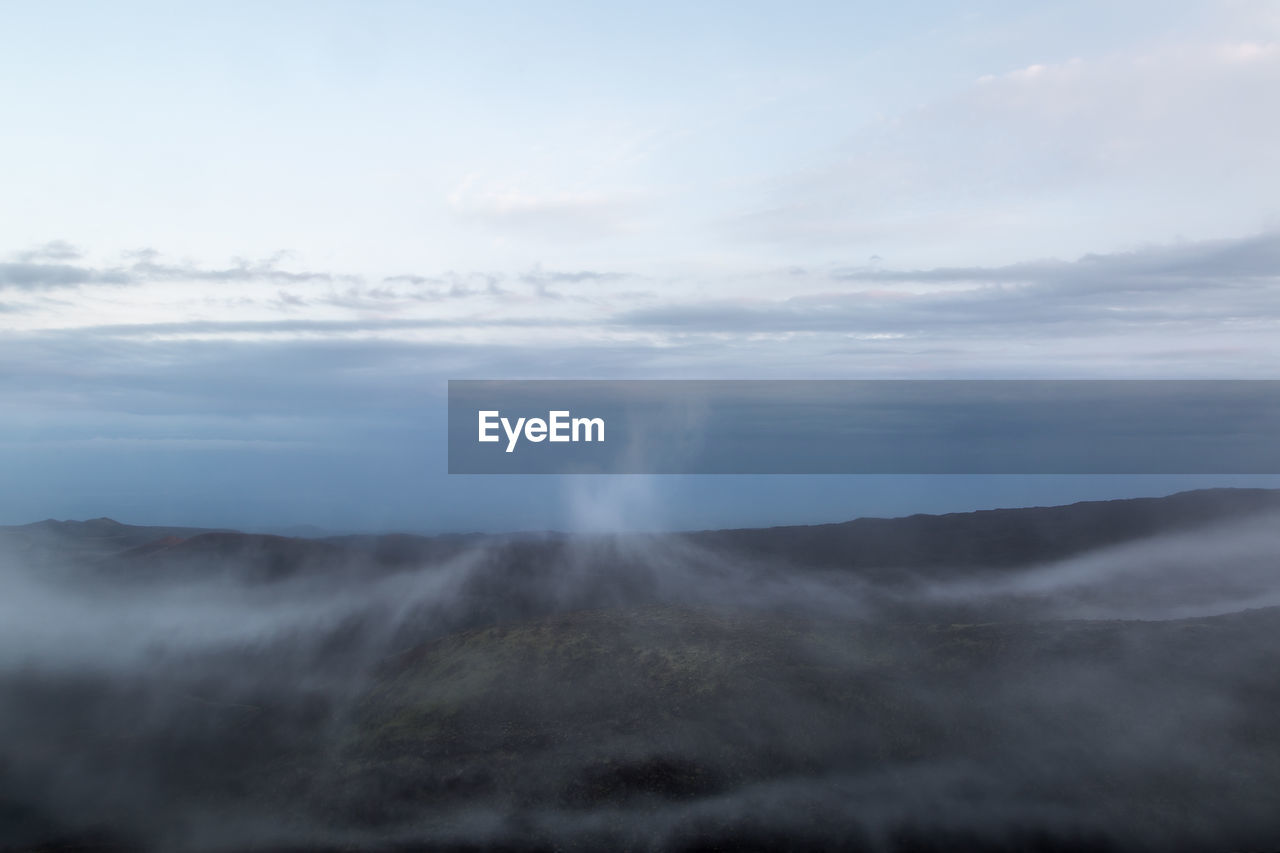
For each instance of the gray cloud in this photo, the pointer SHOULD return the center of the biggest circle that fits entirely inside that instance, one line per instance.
(451, 285)
(289, 301)
(1201, 304)
(54, 250)
(43, 276)
(544, 281)
(35, 271)
(545, 277)
(1186, 265)
(295, 326)
(1183, 283)
(398, 291)
(241, 270)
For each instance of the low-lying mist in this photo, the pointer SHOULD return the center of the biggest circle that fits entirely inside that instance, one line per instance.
(635, 691)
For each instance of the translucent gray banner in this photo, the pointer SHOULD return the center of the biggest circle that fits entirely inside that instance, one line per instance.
(864, 427)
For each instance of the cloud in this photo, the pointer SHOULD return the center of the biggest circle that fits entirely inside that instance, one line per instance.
(450, 285)
(54, 250)
(572, 214)
(399, 292)
(1171, 137)
(1185, 283)
(1183, 308)
(35, 271)
(345, 292)
(45, 276)
(240, 270)
(1187, 264)
(546, 277)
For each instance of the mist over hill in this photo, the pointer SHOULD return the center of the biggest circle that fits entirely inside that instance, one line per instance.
(1095, 675)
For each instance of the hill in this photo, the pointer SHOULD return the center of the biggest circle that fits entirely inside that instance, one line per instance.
(992, 538)
(1004, 680)
(872, 547)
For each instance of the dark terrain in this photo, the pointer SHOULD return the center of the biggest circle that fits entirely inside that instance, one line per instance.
(1096, 676)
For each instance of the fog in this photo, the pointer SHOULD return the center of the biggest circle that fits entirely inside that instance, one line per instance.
(1228, 568)
(640, 691)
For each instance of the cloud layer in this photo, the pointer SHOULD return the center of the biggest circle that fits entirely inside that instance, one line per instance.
(1155, 298)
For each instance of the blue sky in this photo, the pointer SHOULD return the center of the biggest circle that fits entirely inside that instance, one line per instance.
(242, 246)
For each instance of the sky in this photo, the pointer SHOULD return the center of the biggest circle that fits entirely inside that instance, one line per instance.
(243, 246)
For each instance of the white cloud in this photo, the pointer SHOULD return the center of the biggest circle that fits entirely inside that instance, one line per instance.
(1053, 157)
(571, 214)
(1208, 306)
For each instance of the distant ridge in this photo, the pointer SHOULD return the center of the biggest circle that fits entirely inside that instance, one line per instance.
(981, 539)
(95, 537)
(994, 537)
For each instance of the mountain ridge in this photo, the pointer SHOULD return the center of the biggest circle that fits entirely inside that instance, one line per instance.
(877, 547)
